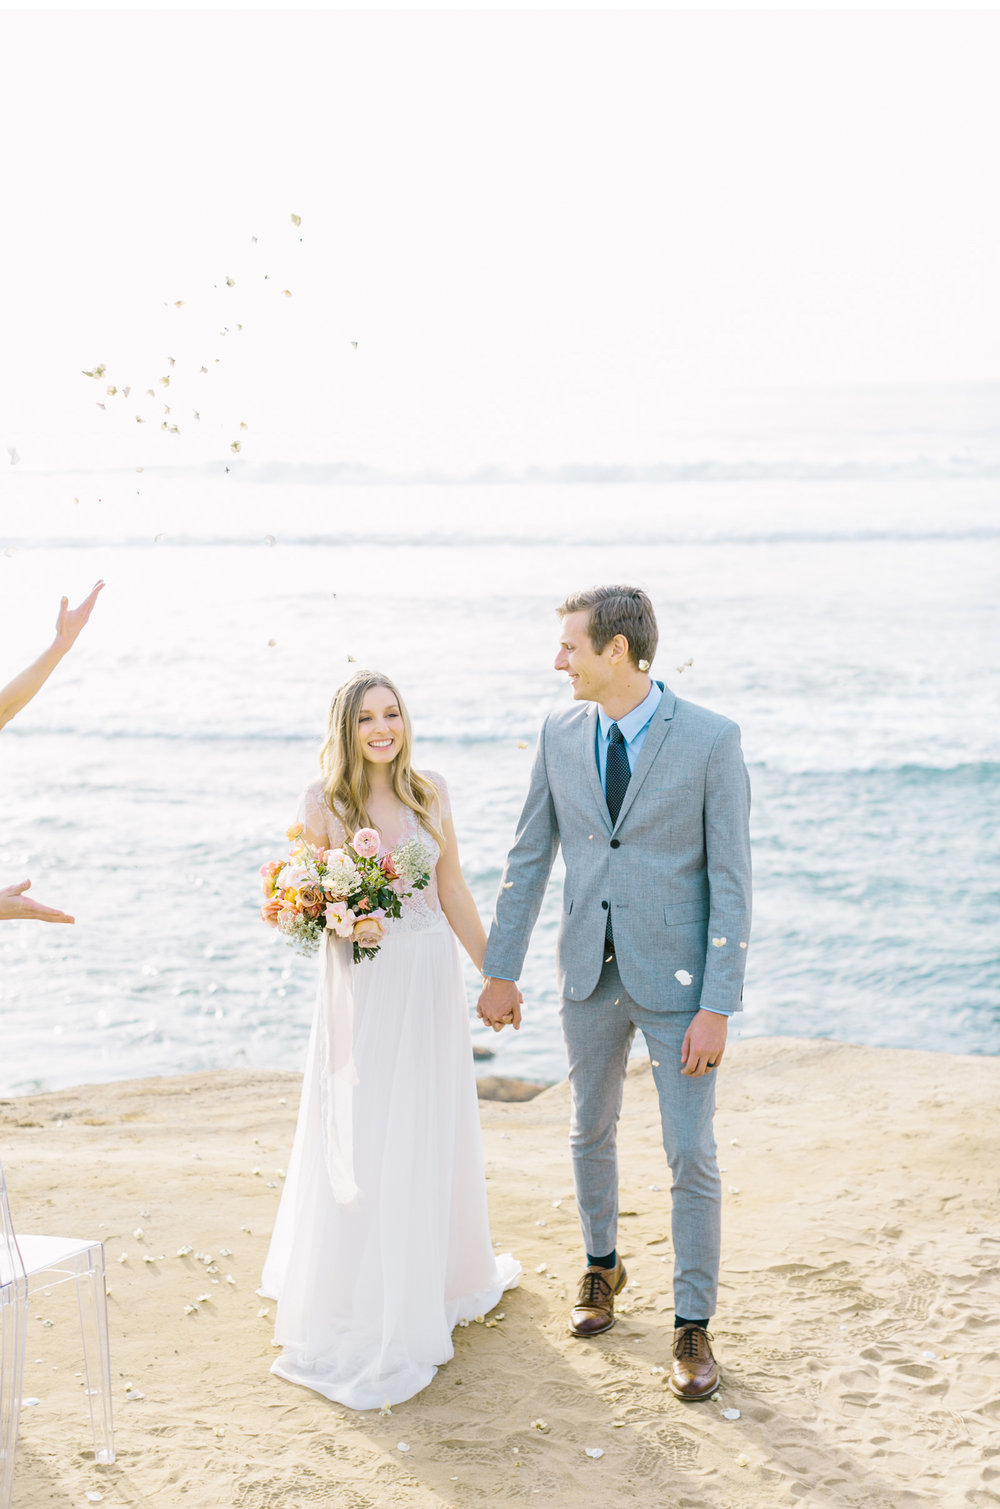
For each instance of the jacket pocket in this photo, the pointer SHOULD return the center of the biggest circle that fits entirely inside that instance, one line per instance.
(685, 911)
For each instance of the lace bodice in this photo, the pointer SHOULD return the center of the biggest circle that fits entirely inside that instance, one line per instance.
(421, 909)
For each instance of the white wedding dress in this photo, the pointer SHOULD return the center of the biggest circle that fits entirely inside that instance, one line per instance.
(382, 1242)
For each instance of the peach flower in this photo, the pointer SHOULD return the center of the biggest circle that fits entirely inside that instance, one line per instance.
(369, 932)
(269, 911)
(294, 832)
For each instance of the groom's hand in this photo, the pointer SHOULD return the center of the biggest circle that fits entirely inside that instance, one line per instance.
(499, 1004)
(704, 1043)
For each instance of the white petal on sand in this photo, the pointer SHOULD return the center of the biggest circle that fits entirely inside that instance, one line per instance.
(730, 1414)
(402, 1446)
(594, 1451)
(683, 976)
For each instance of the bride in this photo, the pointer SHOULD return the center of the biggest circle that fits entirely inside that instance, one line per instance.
(382, 1243)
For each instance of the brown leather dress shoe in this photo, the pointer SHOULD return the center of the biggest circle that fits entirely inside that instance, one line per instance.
(594, 1310)
(695, 1373)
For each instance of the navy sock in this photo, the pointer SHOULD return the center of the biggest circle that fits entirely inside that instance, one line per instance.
(602, 1262)
(680, 1321)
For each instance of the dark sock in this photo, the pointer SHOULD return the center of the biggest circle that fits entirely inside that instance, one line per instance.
(680, 1321)
(602, 1262)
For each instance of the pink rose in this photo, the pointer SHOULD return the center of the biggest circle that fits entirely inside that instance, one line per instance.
(365, 843)
(267, 874)
(340, 918)
(369, 932)
(389, 867)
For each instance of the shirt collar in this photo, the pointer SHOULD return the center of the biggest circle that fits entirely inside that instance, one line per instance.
(634, 722)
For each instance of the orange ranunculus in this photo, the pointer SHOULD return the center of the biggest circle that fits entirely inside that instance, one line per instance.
(269, 911)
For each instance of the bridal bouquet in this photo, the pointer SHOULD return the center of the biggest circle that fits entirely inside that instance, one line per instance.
(349, 890)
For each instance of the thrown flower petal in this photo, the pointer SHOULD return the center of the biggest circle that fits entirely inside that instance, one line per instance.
(683, 975)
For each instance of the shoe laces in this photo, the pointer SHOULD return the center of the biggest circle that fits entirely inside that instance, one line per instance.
(595, 1287)
(691, 1341)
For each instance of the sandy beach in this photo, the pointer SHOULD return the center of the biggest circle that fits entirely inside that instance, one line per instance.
(858, 1329)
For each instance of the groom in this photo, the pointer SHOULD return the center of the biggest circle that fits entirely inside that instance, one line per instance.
(649, 798)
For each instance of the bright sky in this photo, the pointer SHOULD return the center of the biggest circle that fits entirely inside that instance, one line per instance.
(537, 226)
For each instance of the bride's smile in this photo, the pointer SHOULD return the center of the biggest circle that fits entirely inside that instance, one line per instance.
(380, 726)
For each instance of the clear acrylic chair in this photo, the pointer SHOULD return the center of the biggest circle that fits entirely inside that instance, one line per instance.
(27, 1263)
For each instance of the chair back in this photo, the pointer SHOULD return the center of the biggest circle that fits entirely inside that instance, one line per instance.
(13, 1328)
(11, 1266)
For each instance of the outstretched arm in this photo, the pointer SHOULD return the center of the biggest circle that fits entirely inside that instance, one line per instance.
(522, 888)
(17, 693)
(15, 905)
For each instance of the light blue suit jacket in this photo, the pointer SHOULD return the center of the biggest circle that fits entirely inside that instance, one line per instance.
(674, 869)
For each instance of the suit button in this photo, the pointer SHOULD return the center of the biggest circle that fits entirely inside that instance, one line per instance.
(615, 844)
(604, 905)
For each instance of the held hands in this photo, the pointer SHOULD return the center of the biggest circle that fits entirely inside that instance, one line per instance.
(500, 1004)
(704, 1043)
(71, 620)
(14, 906)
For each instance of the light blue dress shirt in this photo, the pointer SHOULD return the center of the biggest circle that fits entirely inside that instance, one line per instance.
(634, 727)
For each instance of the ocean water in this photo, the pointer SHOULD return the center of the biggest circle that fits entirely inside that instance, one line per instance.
(832, 587)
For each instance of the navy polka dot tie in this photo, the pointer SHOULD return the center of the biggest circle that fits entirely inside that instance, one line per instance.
(615, 785)
(618, 773)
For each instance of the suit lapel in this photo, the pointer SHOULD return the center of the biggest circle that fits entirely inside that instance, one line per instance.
(590, 755)
(659, 728)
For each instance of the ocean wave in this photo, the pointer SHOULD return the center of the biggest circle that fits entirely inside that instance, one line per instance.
(973, 772)
(527, 534)
(744, 469)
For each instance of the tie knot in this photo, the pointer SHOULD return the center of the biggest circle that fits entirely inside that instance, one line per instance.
(616, 736)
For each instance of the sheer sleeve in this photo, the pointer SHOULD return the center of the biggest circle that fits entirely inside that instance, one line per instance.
(321, 826)
(444, 800)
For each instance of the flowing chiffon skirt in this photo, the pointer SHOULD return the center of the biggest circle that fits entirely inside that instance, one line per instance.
(369, 1290)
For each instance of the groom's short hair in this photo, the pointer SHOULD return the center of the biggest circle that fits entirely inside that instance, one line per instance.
(617, 610)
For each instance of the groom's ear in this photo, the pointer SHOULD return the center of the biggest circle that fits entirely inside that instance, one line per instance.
(619, 649)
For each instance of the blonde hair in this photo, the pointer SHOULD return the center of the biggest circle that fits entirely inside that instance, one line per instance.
(345, 776)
